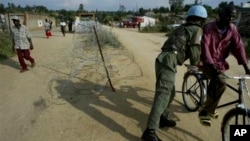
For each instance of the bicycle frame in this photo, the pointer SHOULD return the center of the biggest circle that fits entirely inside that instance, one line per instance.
(239, 91)
(235, 101)
(239, 115)
(194, 91)
(204, 82)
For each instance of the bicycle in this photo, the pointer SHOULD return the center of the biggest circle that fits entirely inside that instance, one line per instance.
(194, 88)
(240, 115)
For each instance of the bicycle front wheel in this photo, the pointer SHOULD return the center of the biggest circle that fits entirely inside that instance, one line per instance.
(193, 91)
(235, 116)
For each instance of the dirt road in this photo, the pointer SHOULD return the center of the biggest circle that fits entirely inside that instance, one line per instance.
(48, 103)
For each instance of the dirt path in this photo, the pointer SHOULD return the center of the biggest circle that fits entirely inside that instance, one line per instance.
(48, 103)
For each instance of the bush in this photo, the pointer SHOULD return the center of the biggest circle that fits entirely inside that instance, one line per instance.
(158, 28)
(150, 29)
(85, 35)
(5, 46)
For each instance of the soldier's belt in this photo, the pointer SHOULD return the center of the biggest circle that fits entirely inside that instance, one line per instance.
(172, 51)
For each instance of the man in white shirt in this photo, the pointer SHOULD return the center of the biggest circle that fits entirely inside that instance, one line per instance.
(63, 25)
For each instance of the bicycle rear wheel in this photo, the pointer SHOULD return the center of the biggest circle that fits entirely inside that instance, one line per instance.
(236, 116)
(193, 91)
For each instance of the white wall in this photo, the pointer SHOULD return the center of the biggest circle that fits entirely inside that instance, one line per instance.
(148, 21)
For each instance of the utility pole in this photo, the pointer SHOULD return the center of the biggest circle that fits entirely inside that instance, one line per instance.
(136, 7)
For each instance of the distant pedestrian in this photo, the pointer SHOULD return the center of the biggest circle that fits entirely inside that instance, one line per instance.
(22, 43)
(47, 28)
(50, 23)
(139, 25)
(63, 26)
(70, 26)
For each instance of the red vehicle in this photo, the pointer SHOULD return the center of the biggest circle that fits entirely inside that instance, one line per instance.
(129, 24)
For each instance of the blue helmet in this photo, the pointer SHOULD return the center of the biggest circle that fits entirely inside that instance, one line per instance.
(197, 10)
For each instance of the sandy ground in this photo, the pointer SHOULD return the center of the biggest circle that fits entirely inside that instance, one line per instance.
(64, 99)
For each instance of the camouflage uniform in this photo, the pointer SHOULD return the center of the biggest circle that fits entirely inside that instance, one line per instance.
(165, 68)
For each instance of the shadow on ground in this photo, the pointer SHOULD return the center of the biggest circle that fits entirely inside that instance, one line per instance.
(4, 60)
(119, 102)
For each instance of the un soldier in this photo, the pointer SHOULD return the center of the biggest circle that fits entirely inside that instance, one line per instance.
(183, 43)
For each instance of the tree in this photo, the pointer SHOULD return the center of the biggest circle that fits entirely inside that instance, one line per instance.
(176, 5)
(187, 6)
(209, 10)
(163, 10)
(222, 5)
(41, 9)
(156, 10)
(122, 8)
(2, 9)
(11, 8)
(81, 8)
(121, 12)
(142, 11)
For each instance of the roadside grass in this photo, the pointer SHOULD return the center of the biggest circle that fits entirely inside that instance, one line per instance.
(5, 46)
(84, 35)
(105, 38)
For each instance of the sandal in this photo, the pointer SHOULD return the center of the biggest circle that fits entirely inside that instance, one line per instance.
(33, 65)
(205, 121)
(205, 118)
(214, 115)
(23, 70)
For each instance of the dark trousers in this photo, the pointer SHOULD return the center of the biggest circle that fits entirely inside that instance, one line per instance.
(63, 30)
(24, 54)
(216, 88)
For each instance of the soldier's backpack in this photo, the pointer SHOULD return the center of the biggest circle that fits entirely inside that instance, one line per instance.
(177, 42)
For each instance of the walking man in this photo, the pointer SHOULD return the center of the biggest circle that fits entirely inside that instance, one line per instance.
(47, 27)
(22, 43)
(63, 26)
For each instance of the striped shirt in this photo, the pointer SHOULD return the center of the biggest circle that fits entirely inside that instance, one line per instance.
(20, 37)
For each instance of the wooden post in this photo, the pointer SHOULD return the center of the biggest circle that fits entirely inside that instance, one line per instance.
(99, 46)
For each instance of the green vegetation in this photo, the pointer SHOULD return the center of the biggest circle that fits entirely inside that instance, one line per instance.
(163, 15)
(108, 38)
(5, 46)
(105, 37)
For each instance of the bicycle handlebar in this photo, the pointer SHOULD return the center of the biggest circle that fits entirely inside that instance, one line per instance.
(191, 68)
(224, 76)
(236, 76)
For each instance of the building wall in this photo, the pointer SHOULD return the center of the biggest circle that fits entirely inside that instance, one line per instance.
(32, 21)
